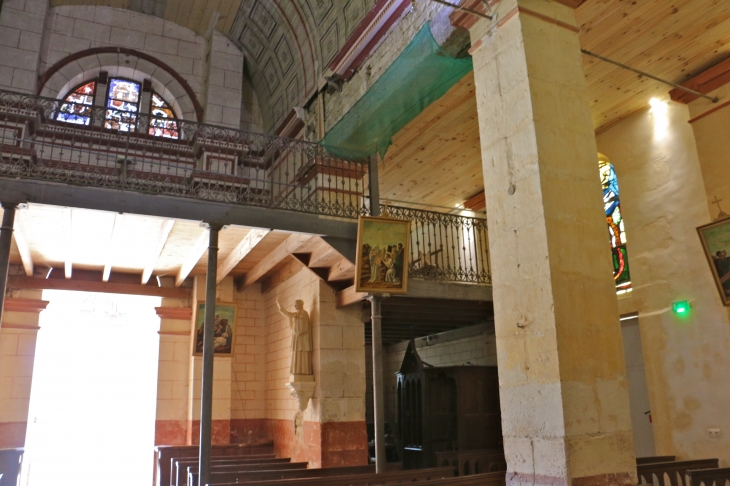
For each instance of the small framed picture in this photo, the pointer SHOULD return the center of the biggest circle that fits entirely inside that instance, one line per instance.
(382, 249)
(715, 238)
(225, 325)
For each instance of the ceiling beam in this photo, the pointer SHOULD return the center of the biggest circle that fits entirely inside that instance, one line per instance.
(244, 247)
(21, 241)
(17, 282)
(165, 228)
(286, 248)
(193, 258)
(110, 253)
(348, 296)
(68, 237)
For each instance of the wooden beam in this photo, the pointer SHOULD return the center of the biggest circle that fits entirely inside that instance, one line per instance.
(68, 237)
(348, 296)
(290, 269)
(243, 248)
(17, 282)
(342, 270)
(193, 258)
(21, 241)
(165, 228)
(110, 253)
(286, 248)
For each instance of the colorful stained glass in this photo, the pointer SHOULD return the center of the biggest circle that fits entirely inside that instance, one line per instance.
(614, 219)
(123, 104)
(162, 117)
(77, 106)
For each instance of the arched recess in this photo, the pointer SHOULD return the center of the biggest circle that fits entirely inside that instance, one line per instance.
(121, 62)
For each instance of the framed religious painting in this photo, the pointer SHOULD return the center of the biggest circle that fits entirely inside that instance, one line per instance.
(225, 326)
(715, 238)
(382, 252)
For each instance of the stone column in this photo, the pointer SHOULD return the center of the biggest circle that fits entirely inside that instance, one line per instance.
(172, 372)
(563, 391)
(17, 355)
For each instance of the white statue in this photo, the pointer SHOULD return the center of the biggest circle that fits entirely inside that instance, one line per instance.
(301, 339)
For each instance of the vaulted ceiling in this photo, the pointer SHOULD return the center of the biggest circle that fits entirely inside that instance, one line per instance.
(287, 44)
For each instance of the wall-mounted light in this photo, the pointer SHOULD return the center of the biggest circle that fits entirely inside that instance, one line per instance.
(681, 308)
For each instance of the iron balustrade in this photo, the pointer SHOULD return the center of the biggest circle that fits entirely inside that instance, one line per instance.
(205, 161)
(446, 247)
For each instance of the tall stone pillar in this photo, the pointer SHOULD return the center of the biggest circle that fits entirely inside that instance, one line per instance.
(17, 355)
(563, 392)
(172, 373)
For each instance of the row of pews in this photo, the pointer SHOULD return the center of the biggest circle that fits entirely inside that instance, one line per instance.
(178, 466)
(258, 466)
(667, 471)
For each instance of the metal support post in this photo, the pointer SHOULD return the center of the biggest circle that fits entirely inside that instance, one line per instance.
(206, 400)
(6, 236)
(374, 186)
(378, 394)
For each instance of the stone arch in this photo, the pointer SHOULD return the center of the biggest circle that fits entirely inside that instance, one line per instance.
(122, 62)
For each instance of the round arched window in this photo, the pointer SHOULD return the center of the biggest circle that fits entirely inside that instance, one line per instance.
(122, 105)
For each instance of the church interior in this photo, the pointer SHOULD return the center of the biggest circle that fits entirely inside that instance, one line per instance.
(555, 313)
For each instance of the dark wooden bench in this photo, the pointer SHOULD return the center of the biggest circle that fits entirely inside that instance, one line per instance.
(674, 471)
(248, 477)
(11, 461)
(653, 459)
(164, 466)
(486, 479)
(472, 462)
(388, 477)
(236, 470)
(710, 477)
(180, 466)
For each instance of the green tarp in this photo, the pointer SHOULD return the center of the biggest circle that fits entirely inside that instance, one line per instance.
(419, 76)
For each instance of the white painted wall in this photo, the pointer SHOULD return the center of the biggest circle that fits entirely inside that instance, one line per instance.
(663, 199)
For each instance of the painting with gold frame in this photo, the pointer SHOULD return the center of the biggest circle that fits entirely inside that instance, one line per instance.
(225, 326)
(382, 253)
(715, 238)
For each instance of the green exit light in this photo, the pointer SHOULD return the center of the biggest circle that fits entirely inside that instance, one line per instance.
(681, 308)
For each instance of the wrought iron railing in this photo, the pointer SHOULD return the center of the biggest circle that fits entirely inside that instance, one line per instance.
(203, 161)
(446, 247)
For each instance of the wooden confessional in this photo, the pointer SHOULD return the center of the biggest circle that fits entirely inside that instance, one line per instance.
(451, 408)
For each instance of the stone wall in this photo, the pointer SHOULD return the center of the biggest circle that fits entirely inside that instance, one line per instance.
(663, 199)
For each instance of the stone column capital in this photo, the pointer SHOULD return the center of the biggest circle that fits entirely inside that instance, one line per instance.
(25, 305)
(178, 313)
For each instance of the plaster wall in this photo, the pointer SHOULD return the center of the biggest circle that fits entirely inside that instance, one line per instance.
(663, 198)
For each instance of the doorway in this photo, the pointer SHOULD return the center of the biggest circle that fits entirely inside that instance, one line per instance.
(638, 390)
(94, 390)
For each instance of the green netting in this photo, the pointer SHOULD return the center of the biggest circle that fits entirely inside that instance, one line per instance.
(420, 75)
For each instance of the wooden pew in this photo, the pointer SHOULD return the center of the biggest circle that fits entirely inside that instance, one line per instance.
(164, 453)
(180, 474)
(486, 479)
(214, 460)
(243, 469)
(11, 460)
(389, 477)
(710, 477)
(652, 459)
(675, 471)
(247, 477)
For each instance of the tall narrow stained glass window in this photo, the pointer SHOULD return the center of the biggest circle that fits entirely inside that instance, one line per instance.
(77, 106)
(162, 122)
(122, 104)
(615, 221)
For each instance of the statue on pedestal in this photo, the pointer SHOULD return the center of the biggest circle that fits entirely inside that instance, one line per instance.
(301, 339)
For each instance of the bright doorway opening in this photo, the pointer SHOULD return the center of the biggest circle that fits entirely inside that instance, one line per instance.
(94, 391)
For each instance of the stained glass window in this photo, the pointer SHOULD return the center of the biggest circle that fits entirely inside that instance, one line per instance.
(123, 98)
(122, 104)
(615, 221)
(77, 107)
(162, 117)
